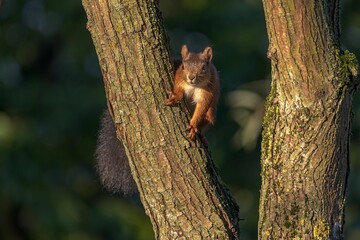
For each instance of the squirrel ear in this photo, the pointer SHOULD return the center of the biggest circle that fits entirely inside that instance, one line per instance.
(207, 53)
(184, 51)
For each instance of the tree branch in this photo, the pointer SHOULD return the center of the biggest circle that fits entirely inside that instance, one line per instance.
(178, 185)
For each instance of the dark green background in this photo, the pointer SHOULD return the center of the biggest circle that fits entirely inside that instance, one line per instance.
(51, 98)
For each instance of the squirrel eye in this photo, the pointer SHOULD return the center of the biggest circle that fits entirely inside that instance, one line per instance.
(203, 68)
(182, 66)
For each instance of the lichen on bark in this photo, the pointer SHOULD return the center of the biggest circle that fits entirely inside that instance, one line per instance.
(179, 186)
(306, 124)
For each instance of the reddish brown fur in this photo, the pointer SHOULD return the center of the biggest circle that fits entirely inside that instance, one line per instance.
(196, 78)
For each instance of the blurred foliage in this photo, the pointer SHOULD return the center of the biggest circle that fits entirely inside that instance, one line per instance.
(51, 98)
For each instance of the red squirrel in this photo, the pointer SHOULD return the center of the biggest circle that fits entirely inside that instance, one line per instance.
(196, 78)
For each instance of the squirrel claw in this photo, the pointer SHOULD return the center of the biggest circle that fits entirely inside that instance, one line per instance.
(171, 100)
(168, 102)
(170, 93)
(192, 132)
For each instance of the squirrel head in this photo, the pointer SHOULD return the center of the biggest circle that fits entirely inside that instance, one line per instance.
(196, 66)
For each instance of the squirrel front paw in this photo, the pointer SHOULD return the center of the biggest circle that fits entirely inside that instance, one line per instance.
(192, 132)
(171, 100)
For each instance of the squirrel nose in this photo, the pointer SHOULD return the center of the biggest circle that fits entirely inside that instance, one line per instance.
(192, 77)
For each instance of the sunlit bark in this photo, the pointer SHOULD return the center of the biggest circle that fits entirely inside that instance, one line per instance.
(178, 184)
(305, 146)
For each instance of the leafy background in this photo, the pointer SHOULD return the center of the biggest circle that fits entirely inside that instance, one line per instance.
(51, 98)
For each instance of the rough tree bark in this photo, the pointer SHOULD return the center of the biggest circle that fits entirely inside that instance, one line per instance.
(178, 184)
(305, 145)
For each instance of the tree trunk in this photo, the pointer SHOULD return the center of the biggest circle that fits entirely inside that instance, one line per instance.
(178, 184)
(305, 145)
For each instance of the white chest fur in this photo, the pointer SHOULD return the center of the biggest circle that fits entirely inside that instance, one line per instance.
(194, 93)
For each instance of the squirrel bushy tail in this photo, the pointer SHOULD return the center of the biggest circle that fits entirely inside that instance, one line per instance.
(111, 161)
(197, 80)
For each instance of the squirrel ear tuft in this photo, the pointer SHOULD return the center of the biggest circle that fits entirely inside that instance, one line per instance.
(184, 51)
(207, 53)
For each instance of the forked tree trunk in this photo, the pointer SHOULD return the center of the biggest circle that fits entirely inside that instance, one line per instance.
(305, 145)
(178, 184)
